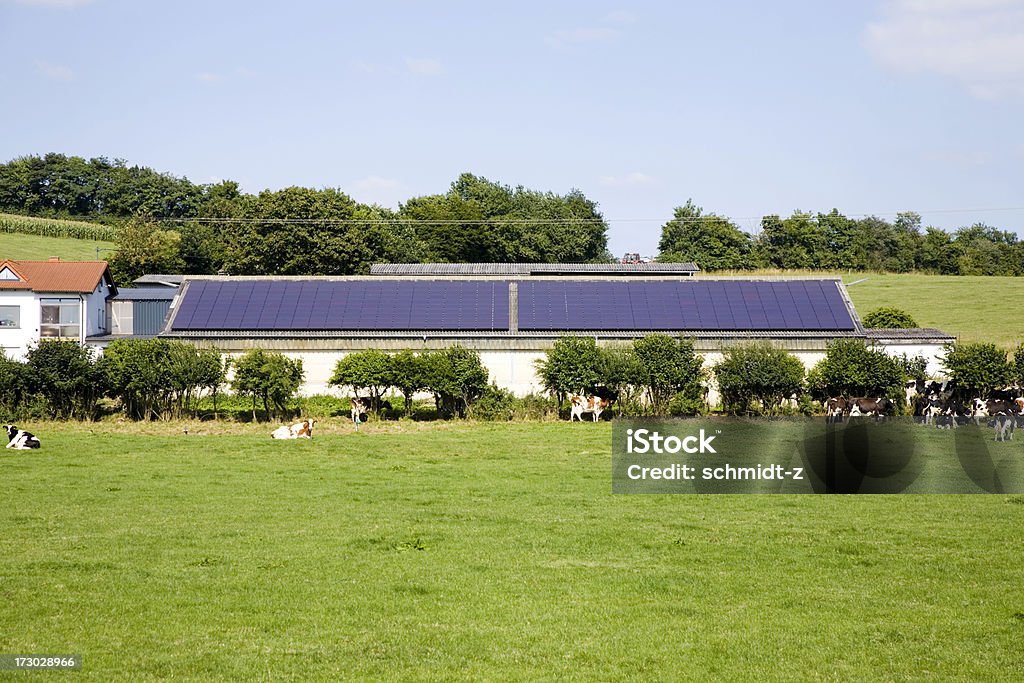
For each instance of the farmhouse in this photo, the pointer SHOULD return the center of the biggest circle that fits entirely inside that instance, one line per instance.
(53, 299)
(512, 313)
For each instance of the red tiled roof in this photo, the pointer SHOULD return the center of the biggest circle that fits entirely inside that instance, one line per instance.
(56, 276)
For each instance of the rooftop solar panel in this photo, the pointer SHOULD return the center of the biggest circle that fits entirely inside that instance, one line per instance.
(543, 305)
(711, 305)
(343, 305)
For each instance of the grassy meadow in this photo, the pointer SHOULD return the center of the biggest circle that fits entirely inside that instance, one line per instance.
(480, 551)
(39, 248)
(974, 308)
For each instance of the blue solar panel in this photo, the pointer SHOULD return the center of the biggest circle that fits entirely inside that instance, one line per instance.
(714, 305)
(343, 305)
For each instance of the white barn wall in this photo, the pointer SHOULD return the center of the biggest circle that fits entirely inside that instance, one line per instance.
(512, 369)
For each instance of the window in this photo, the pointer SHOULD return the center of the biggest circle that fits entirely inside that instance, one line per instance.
(8, 274)
(121, 317)
(10, 317)
(61, 318)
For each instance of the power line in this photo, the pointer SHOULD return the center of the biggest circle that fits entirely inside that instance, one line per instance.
(553, 221)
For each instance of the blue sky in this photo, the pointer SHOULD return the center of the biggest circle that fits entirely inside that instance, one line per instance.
(747, 107)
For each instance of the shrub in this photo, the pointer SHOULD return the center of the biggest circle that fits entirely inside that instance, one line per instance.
(157, 378)
(321, 406)
(977, 368)
(1018, 364)
(370, 370)
(759, 372)
(408, 375)
(269, 377)
(850, 368)
(666, 367)
(889, 317)
(573, 364)
(14, 387)
(68, 377)
(456, 378)
(495, 404)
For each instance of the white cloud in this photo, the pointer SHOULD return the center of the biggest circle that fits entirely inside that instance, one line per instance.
(377, 190)
(55, 72)
(627, 180)
(424, 67)
(62, 4)
(976, 43)
(208, 77)
(583, 35)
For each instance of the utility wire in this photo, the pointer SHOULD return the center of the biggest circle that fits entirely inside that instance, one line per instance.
(554, 221)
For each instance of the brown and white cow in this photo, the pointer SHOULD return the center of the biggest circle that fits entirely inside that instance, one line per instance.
(299, 430)
(594, 405)
(359, 408)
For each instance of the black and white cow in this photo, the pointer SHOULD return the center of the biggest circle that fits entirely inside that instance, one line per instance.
(20, 439)
(870, 407)
(835, 409)
(1003, 414)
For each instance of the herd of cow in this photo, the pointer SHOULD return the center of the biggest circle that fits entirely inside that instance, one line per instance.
(939, 405)
(935, 403)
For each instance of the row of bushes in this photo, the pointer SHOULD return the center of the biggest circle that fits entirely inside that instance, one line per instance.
(653, 375)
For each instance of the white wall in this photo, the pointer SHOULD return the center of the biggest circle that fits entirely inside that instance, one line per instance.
(95, 319)
(513, 369)
(16, 342)
(931, 352)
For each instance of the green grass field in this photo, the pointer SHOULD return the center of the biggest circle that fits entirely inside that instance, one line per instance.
(974, 308)
(39, 248)
(472, 551)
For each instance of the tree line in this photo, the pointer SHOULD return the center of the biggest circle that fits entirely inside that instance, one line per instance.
(832, 241)
(170, 224)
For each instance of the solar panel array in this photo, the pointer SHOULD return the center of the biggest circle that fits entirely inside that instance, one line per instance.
(688, 305)
(343, 305)
(483, 305)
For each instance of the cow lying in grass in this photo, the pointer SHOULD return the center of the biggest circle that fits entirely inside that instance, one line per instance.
(20, 439)
(299, 430)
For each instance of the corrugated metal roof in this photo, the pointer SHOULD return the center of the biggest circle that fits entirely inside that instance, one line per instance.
(159, 280)
(55, 276)
(146, 294)
(532, 268)
(922, 333)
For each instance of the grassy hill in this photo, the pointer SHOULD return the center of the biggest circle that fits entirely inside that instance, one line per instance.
(36, 247)
(973, 308)
(31, 238)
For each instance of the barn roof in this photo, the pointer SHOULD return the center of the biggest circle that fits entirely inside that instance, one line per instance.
(922, 334)
(146, 294)
(698, 307)
(55, 276)
(527, 269)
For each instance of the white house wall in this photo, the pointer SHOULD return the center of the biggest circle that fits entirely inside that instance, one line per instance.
(16, 342)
